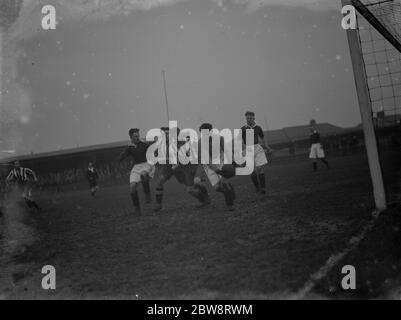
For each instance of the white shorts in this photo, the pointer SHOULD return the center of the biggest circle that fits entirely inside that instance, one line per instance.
(141, 169)
(210, 170)
(259, 155)
(316, 151)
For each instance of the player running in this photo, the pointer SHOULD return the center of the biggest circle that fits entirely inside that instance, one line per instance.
(93, 177)
(217, 174)
(316, 150)
(260, 150)
(142, 171)
(184, 174)
(24, 179)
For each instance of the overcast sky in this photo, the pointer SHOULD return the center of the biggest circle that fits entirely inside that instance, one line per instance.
(99, 73)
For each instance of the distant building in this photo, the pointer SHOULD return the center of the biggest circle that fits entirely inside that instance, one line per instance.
(297, 133)
(275, 137)
(303, 132)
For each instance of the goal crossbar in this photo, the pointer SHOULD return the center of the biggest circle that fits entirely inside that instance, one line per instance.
(375, 22)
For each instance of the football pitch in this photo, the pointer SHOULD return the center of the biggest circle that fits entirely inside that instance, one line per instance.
(268, 248)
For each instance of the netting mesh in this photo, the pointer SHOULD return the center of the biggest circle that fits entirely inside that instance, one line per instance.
(388, 12)
(383, 60)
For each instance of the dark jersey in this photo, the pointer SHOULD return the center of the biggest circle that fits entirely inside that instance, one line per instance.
(91, 175)
(315, 137)
(257, 134)
(136, 152)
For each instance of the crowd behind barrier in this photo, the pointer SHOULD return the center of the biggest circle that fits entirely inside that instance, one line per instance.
(72, 179)
(75, 178)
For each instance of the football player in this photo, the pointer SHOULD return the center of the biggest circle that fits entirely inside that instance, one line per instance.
(92, 176)
(316, 150)
(184, 174)
(260, 150)
(142, 171)
(217, 174)
(24, 179)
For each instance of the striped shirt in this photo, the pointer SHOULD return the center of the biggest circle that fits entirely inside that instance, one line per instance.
(21, 175)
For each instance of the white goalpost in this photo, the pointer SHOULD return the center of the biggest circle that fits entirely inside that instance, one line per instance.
(365, 97)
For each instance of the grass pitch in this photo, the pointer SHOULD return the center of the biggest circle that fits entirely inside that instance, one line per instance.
(267, 248)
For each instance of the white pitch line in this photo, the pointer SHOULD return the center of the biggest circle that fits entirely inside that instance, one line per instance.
(334, 259)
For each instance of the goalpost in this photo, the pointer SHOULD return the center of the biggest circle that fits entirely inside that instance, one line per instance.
(375, 48)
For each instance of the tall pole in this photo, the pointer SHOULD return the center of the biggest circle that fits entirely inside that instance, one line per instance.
(1, 70)
(365, 106)
(9, 13)
(267, 130)
(165, 95)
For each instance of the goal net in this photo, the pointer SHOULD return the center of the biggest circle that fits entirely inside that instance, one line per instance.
(379, 24)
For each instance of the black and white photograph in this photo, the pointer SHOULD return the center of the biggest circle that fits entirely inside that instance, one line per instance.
(200, 150)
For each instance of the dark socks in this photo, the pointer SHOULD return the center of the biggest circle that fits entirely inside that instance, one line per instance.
(314, 166)
(146, 190)
(159, 196)
(255, 180)
(146, 187)
(135, 199)
(262, 181)
(203, 193)
(228, 191)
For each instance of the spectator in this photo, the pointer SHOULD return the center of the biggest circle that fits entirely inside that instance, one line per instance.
(92, 176)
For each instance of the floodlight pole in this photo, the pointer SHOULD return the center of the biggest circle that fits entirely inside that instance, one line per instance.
(1, 66)
(165, 94)
(267, 130)
(365, 106)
